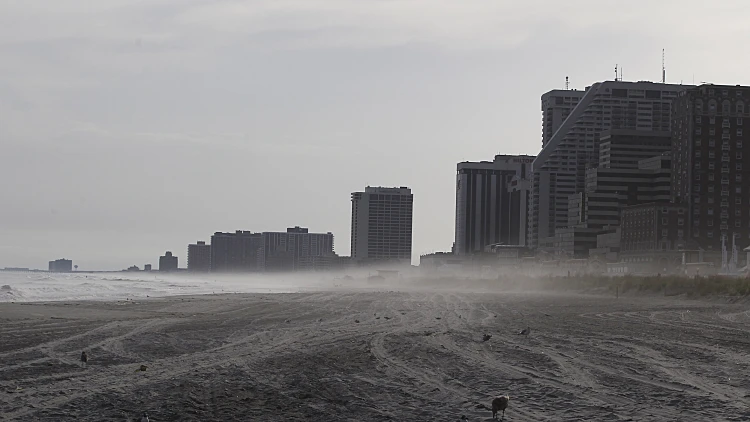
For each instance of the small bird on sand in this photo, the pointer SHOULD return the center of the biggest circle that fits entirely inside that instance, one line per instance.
(498, 404)
(525, 332)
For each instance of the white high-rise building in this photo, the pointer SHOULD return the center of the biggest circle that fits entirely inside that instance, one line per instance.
(573, 146)
(382, 225)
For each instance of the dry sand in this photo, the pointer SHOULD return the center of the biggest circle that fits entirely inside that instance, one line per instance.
(411, 357)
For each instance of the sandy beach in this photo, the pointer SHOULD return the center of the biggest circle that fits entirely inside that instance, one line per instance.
(376, 356)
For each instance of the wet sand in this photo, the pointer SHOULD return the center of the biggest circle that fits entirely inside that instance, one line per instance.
(362, 356)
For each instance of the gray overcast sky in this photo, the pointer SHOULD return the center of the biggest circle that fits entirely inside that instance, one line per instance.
(128, 128)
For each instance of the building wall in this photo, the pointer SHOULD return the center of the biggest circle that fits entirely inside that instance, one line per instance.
(382, 224)
(199, 257)
(611, 105)
(294, 250)
(710, 174)
(168, 262)
(235, 252)
(490, 197)
(61, 266)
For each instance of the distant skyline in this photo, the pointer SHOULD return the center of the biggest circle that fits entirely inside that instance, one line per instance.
(132, 128)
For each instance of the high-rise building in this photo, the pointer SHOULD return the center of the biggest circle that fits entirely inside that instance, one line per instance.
(295, 249)
(556, 107)
(382, 224)
(235, 252)
(199, 257)
(710, 174)
(624, 149)
(560, 168)
(491, 202)
(61, 266)
(168, 262)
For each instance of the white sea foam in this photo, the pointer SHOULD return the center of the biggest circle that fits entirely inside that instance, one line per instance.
(31, 287)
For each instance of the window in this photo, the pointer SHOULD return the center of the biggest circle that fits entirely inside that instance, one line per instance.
(711, 176)
(697, 142)
(664, 221)
(725, 92)
(710, 199)
(712, 131)
(681, 211)
(710, 233)
(712, 120)
(697, 131)
(739, 144)
(711, 166)
(664, 233)
(737, 212)
(711, 142)
(712, 106)
(739, 132)
(710, 211)
(697, 176)
(710, 188)
(725, 107)
(711, 154)
(680, 233)
(740, 106)
(697, 119)
(697, 154)
(738, 200)
(738, 166)
(680, 221)
(739, 121)
(739, 155)
(738, 189)
(737, 223)
(738, 178)
(696, 222)
(710, 223)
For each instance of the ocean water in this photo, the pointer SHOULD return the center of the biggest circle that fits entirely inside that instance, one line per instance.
(34, 287)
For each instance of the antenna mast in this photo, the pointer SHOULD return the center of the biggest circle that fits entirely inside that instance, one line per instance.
(615, 73)
(567, 83)
(663, 69)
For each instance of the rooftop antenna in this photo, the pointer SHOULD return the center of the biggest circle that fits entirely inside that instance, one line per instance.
(620, 73)
(663, 69)
(567, 83)
(615, 72)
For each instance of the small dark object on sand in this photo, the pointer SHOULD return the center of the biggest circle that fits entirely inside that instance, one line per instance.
(142, 368)
(498, 404)
(525, 332)
(357, 321)
(486, 337)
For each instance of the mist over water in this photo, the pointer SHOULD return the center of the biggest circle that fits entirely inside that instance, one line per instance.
(30, 287)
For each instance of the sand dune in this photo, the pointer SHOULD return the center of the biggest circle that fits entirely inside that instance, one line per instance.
(411, 357)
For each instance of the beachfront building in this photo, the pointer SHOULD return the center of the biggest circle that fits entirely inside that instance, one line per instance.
(199, 257)
(61, 266)
(571, 147)
(491, 203)
(235, 252)
(711, 172)
(168, 262)
(296, 249)
(382, 225)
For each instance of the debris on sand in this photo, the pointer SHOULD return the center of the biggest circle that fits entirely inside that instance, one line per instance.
(287, 321)
(486, 337)
(437, 317)
(142, 368)
(357, 321)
